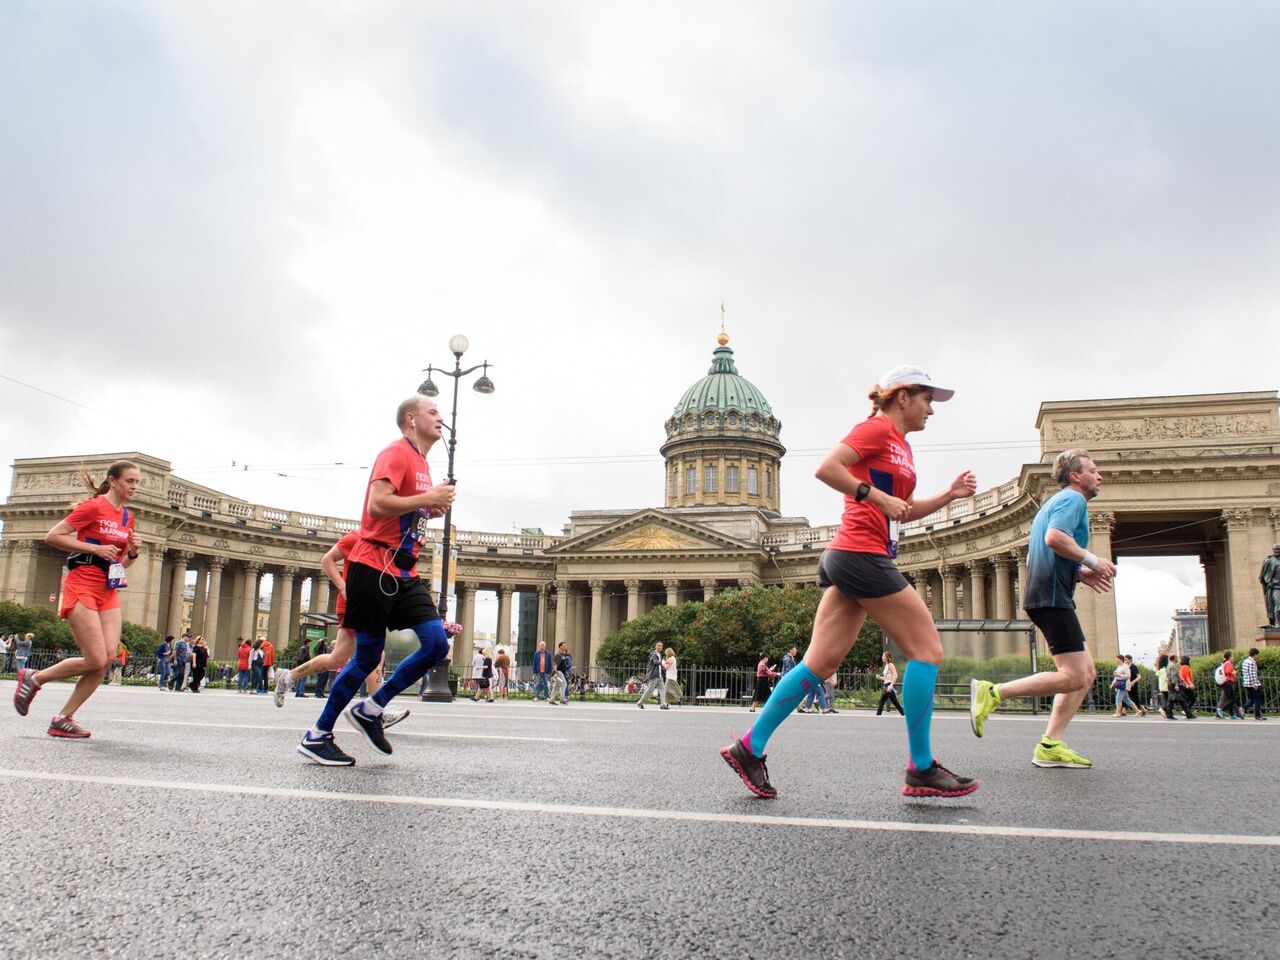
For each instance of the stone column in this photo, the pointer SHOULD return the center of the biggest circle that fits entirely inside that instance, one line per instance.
(319, 593)
(1020, 556)
(562, 612)
(133, 603)
(198, 601)
(977, 589)
(295, 607)
(597, 620)
(673, 592)
(949, 611)
(154, 559)
(1260, 541)
(1105, 640)
(504, 614)
(1217, 599)
(6, 562)
(221, 644)
(708, 589)
(19, 571)
(747, 582)
(541, 632)
(1247, 610)
(1004, 587)
(176, 589)
(249, 612)
(464, 644)
(633, 599)
(281, 607)
(932, 592)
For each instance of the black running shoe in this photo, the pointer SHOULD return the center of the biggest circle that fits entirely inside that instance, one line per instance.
(937, 781)
(371, 727)
(324, 752)
(750, 768)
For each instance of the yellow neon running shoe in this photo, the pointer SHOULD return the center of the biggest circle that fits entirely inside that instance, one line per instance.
(1055, 753)
(983, 700)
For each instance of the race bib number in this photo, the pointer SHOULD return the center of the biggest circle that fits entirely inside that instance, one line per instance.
(421, 529)
(893, 538)
(116, 578)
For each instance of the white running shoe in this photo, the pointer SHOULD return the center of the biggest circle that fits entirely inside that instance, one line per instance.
(391, 717)
(283, 683)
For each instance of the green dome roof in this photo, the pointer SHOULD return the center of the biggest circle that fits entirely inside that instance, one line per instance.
(723, 389)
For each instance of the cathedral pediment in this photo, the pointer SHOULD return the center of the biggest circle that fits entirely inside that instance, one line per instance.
(650, 532)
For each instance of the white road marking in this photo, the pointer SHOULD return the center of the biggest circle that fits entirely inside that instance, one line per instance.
(298, 730)
(686, 816)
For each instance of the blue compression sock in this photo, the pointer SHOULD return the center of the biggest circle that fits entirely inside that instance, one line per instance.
(368, 653)
(786, 696)
(434, 647)
(918, 682)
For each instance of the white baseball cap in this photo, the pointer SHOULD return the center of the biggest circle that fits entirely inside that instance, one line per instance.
(911, 376)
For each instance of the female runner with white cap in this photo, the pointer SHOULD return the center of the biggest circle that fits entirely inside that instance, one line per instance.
(874, 469)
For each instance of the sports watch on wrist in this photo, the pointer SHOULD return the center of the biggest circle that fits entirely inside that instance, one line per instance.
(864, 488)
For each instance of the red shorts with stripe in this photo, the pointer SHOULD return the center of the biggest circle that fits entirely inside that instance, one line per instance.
(92, 592)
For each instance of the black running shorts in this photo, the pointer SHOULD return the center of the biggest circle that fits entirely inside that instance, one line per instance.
(1061, 628)
(859, 575)
(378, 602)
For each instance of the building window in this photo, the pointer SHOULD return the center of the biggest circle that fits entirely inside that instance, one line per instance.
(709, 478)
(675, 482)
(690, 481)
(753, 482)
(768, 482)
(731, 479)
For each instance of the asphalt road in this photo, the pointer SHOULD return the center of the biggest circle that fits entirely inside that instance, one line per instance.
(187, 826)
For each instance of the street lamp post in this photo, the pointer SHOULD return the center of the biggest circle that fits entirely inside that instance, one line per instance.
(438, 682)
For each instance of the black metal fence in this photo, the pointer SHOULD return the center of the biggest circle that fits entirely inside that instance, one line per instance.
(722, 686)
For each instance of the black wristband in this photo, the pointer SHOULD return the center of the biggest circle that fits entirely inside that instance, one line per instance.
(133, 556)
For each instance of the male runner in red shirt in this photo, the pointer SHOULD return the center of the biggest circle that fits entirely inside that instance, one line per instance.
(383, 589)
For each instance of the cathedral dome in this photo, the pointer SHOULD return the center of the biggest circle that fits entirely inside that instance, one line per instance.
(722, 443)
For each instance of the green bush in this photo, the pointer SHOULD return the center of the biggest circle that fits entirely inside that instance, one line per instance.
(51, 631)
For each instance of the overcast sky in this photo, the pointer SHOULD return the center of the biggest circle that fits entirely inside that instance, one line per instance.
(236, 232)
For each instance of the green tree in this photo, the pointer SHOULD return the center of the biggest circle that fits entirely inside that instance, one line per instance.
(733, 629)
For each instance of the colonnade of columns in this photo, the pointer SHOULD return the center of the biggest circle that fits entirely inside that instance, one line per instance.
(579, 612)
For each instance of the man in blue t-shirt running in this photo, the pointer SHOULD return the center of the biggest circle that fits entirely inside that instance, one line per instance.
(1057, 559)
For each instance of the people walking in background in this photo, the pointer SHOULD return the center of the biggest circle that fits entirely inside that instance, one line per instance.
(1163, 701)
(566, 671)
(163, 652)
(653, 678)
(672, 685)
(101, 543)
(821, 693)
(323, 676)
(22, 652)
(257, 671)
(765, 675)
(1135, 678)
(243, 652)
(300, 683)
(888, 677)
(502, 672)
(1121, 681)
(541, 671)
(1187, 680)
(199, 663)
(1225, 677)
(1252, 683)
(181, 663)
(117, 664)
(1176, 699)
(789, 661)
(268, 663)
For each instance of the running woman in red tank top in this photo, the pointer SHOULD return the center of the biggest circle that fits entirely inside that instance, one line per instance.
(99, 535)
(874, 469)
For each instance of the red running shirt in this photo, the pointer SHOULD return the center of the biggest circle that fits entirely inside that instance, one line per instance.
(885, 462)
(405, 469)
(97, 521)
(345, 546)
